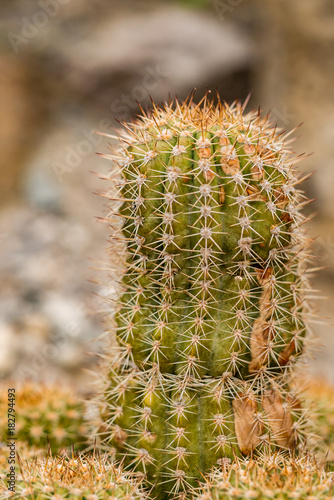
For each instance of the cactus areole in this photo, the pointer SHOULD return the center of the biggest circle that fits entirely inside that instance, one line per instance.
(211, 314)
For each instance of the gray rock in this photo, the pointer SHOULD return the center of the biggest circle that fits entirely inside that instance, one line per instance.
(295, 78)
(9, 349)
(170, 49)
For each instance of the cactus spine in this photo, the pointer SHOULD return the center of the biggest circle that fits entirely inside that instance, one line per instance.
(211, 317)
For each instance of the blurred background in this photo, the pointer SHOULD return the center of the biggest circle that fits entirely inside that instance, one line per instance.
(68, 67)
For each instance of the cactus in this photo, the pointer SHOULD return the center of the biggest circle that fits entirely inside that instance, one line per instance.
(211, 315)
(45, 416)
(79, 477)
(320, 397)
(275, 476)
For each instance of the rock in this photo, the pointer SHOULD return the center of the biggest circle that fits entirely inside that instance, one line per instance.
(71, 357)
(17, 126)
(45, 297)
(35, 324)
(161, 51)
(66, 314)
(295, 75)
(41, 188)
(9, 349)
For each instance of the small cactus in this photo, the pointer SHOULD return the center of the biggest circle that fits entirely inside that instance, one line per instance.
(320, 397)
(79, 477)
(272, 476)
(45, 416)
(212, 312)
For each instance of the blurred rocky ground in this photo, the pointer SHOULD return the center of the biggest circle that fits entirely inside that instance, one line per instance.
(68, 67)
(294, 74)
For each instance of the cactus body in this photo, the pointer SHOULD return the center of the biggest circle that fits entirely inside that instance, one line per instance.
(211, 316)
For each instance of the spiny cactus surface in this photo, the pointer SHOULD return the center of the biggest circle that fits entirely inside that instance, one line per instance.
(45, 416)
(273, 476)
(212, 312)
(79, 477)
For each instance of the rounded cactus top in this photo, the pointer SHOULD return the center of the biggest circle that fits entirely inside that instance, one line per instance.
(212, 316)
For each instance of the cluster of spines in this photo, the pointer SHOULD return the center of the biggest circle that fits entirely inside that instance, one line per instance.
(214, 287)
(168, 427)
(79, 477)
(270, 476)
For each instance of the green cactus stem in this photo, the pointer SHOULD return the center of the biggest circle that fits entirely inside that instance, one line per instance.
(211, 317)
